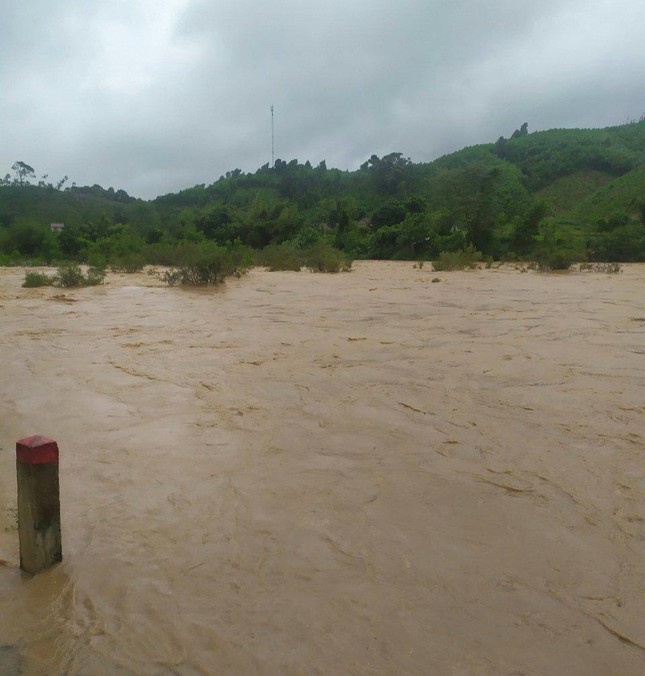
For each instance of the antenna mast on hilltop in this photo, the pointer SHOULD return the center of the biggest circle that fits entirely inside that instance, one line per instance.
(272, 142)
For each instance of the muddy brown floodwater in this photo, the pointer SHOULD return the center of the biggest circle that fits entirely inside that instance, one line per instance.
(364, 473)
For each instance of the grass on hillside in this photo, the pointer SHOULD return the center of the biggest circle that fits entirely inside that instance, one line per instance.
(565, 193)
(624, 195)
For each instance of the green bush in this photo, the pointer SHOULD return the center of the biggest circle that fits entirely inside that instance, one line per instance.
(241, 256)
(95, 276)
(280, 257)
(96, 259)
(205, 263)
(554, 259)
(130, 263)
(558, 249)
(35, 279)
(323, 257)
(458, 260)
(163, 253)
(71, 275)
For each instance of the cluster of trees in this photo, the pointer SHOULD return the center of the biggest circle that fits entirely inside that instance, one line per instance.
(23, 174)
(501, 199)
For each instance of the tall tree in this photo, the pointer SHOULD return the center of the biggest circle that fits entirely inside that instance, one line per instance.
(23, 172)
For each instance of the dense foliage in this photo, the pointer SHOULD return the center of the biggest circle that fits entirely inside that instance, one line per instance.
(558, 196)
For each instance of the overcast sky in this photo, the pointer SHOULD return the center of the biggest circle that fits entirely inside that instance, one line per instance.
(153, 96)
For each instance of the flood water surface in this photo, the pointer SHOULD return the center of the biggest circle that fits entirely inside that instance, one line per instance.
(364, 473)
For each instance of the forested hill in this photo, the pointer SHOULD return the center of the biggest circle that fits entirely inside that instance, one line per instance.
(578, 193)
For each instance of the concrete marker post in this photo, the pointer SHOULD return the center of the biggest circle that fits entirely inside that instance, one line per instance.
(38, 503)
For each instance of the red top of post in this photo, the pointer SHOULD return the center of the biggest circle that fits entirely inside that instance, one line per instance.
(37, 450)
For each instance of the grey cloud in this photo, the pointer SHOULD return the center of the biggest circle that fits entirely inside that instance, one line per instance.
(156, 96)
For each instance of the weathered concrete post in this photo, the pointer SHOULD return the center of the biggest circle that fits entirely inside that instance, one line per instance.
(38, 503)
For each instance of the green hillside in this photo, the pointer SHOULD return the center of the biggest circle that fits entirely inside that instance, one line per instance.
(579, 192)
(566, 193)
(622, 196)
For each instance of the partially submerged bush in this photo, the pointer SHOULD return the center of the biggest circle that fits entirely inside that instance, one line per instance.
(241, 256)
(69, 275)
(72, 275)
(280, 257)
(95, 276)
(205, 263)
(36, 279)
(458, 260)
(323, 257)
(130, 263)
(554, 259)
(66, 276)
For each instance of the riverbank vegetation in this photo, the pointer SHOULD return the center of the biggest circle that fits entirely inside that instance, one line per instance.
(555, 197)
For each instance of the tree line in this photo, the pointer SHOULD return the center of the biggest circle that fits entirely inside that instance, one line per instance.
(503, 199)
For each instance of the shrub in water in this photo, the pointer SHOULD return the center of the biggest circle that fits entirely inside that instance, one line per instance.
(204, 263)
(69, 275)
(130, 263)
(280, 257)
(458, 260)
(95, 276)
(323, 257)
(72, 275)
(35, 279)
(163, 253)
(554, 259)
(241, 256)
